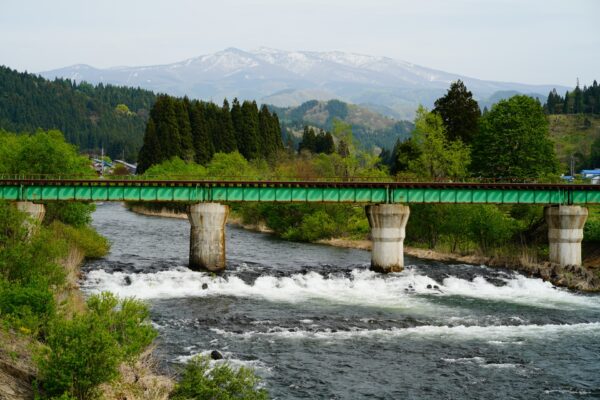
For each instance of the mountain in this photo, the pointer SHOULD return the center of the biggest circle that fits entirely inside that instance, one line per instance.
(368, 127)
(289, 78)
(91, 117)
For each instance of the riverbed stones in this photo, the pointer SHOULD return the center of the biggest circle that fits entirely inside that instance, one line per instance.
(216, 355)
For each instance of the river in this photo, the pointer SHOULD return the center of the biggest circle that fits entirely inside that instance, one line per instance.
(315, 323)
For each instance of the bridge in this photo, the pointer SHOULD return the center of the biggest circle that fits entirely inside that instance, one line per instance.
(386, 206)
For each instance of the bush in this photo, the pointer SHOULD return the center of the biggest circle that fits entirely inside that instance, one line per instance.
(71, 213)
(222, 382)
(27, 308)
(87, 350)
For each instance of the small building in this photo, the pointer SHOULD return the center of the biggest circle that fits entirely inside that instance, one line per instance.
(592, 174)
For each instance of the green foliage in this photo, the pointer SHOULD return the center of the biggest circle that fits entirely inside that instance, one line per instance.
(579, 101)
(91, 117)
(513, 141)
(71, 213)
(591, 230)
(438, 157)
(176, 168)
(460, 112)
(85, 351)
(195, 130)
(221, 382)
(84, 238)
(27, 308)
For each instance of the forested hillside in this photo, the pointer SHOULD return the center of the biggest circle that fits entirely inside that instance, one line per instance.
(195, 130)
(90, 117)
(369, 128)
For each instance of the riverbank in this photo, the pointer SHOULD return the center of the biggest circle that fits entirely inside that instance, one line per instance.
(585, 278)
(18, 350)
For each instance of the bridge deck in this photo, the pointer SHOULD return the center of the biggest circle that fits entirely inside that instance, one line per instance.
(292, 191)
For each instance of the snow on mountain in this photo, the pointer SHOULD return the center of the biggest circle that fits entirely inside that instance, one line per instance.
(288, 78)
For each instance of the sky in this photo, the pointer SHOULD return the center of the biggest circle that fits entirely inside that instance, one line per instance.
(533, 41)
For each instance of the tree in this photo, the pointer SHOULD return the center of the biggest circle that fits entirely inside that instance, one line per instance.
(439, 157)
(150, 152)
(203, 146)
(309, 140)
(402, 154)
(513, 141)
(460, 112)
(226, 130)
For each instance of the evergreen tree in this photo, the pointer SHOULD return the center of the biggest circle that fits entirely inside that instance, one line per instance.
(150, 152)
(185, 129)
(167, 129)
(227, 132)
(236, 119)
(402, 154)
(249, 131)
(459, 111)
(309, 140)
(203, 146)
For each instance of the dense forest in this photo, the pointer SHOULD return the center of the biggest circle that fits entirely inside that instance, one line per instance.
(195, 130)
(579, 101)
(91, 117)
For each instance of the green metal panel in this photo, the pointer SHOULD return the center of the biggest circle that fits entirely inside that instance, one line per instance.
(511, 196)
(33, 193)
(132, 193)
(49, 193)
(362, 195)
(66, 193)
(251, 194)
(267, 194)
(315, 194)
(399, 195)
(479, 196)
(526, 196)
(431, 196)
(299, 194)
(464, 196)
(219, 193)
(99, 193)
(11, 192)
(556, 197)
(182, 193)
(346, 195)
(593, 197)
(148, 194)
(233, 193)
(283, 194)
(331, 194)
(379, 195)
(494, 196)
(416, 195)
(448, 196)
(542, 197)
(164, 193)
(116, 193)
(83, 193)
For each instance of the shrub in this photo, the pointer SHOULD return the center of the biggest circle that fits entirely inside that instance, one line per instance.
(27, 308)
(86, 351)
(222, 382)
(85, 238)
(72, 213)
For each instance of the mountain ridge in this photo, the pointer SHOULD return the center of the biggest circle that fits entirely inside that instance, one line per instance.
(289, 78)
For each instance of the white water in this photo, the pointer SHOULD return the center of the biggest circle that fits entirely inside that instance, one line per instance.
(363, 287)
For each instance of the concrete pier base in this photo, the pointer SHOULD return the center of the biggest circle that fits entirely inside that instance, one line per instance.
(35, 211)
(388, 222)
(565, 233)
(207, 236)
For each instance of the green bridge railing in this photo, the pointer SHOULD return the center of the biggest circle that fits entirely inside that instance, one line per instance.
(348, 191)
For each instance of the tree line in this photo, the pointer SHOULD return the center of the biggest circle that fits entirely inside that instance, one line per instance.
(456, 141)
(578, 101)
(195, 130)
(90, 117)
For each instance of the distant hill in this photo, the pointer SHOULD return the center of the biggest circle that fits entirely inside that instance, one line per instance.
(369, 128)
(290, 78)
(91, 117)
(573, 135)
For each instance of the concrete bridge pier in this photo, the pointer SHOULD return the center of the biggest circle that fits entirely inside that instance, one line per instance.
(388, 222)
(565, 233)
(207, 236)
(35, 211)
